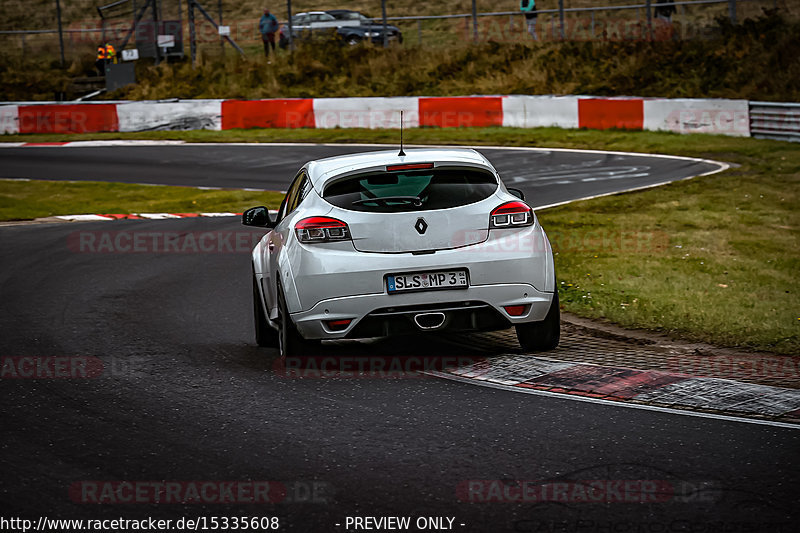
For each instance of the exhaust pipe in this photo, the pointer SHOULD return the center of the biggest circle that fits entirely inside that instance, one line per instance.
(428, 321)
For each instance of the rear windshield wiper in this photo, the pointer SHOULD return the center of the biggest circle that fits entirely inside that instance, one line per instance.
(416, 201)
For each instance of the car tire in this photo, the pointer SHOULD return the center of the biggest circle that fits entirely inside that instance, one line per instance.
(352, 40)
(544, 335)
(290, 342)
(266, 335)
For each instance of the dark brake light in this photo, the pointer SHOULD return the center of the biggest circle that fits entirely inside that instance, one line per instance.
(515, 310)
(338, 325)
(410, 166)
(321, 229)
(511, 214)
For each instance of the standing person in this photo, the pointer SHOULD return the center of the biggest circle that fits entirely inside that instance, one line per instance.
(111, 53)
(100, 60)
(529, 8)
(268, 26)
(665, 9)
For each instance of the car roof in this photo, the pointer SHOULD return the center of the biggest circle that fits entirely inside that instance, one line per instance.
(321, 171)
(339, 12)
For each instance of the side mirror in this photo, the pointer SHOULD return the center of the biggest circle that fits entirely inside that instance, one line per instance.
(258, 217)
(518, 193)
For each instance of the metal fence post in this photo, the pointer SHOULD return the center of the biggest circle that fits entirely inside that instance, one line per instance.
(474, 22)
(419, 31)
(385, 37)
(592, 23)
(60, 31)
(649, 10)
(732, 10)
(221, 39)
(180, 25)
(154, 7)
(561, 17)
(192, 31)
(383, 13)
(291, 37)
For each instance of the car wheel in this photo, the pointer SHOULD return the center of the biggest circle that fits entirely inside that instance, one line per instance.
(290, 342)
(353, 40)
(266, 335)
(544, 335)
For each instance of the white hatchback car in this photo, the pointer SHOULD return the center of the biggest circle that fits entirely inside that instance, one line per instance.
(381, 244)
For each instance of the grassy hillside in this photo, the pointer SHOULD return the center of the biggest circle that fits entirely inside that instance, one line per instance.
(757, 59)
(40, 14)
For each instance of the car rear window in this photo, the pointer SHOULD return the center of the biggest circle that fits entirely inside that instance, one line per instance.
(414, 190)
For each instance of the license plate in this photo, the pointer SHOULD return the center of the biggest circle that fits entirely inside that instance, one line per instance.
(427, 281)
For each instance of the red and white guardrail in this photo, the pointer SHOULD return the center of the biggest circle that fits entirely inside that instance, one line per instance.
(729, 117)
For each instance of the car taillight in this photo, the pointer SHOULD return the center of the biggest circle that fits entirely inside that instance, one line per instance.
(409, 166)
(511, 214)
(339, 325)
(516, 310)
(321, 229)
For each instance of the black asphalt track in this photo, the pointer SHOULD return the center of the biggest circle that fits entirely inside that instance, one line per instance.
(546, 176)
(186, 396)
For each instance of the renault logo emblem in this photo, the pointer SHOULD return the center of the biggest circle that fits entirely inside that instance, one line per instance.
(421, 226)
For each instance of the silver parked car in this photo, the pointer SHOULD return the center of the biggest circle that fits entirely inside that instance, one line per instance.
(381, 244)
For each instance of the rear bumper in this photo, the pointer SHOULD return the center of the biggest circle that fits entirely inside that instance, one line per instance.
(333, 281)
(478, 308)
(329, 272)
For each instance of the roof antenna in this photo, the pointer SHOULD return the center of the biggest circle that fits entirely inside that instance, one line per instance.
(402, 153)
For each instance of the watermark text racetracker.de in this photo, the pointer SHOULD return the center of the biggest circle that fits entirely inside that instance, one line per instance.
(50, 367)
(209, 242)
(586, 28)
(726, 366)
(378, 367)
(589, 525)
(209, 492)
(578, 240)
(586, 491)
(194, 242)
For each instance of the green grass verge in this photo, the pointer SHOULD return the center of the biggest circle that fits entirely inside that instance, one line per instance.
(713, 259)
(25, 200)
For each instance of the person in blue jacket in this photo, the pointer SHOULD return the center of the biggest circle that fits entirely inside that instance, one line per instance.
(529, 8)
(268, 26)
